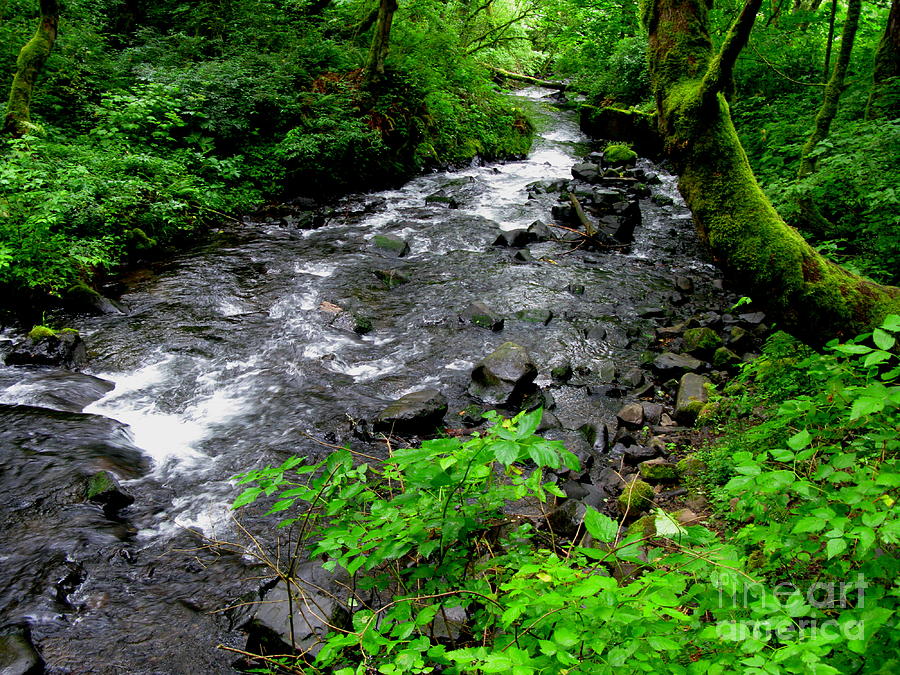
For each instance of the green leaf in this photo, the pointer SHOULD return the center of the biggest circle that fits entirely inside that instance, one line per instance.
(853, 349)
(882, 339)
(809, 524)
(248, 496)
(892, 323)
(865, 406)
(506, 452)
(799, 440)
(543, 454)
(601, 527)
(876, 357)
(836, 547)
(529, 423)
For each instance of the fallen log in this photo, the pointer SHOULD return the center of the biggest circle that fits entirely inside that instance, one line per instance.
(548, 84)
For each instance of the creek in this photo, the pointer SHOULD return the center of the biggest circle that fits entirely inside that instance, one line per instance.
(227, 359)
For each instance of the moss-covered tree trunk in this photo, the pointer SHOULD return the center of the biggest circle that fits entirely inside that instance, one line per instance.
(28, 66)
(763, 256)
(381, 41)
(833, 91)
(887, 70)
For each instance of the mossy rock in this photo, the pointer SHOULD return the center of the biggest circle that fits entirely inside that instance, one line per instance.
(658, 471)
(139, 241)
(619, 154)
(636, 497)
(690, 466)
(701, 340)
(725, 358)
(41, 332)
(644, 526)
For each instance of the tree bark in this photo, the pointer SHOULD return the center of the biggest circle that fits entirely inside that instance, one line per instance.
(31, 59)
(381, 41)
(547, 84)
(833, 91)
(767, 259)
(887, 70)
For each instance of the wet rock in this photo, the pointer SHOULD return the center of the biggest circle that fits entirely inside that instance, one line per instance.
(523, 255)
(441, 197)
(692, 395)
(661, 199)
(315, 606)
(479, 314)
(739, 338)
(634, 453)
(392, 277)
(606, 372)
(471, 416)
(18, 656)
(416, 412)
(534, 315)
(513, 238)
(83, 298)
(391, 244)
(652, 413)
(575, 289)
(752, 318)
(539, 231)
(561, 369)
(631, 415)
(49, 348)
(658, 471)
(502, 374)
(684, 284)
(632, 378)
(352, 322)
(566, 519)
(587, 172)
(103, 488)
(448, 623)
(669, 364)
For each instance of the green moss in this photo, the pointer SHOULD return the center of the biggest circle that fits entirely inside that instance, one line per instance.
(41, 332)
(644, 526)
(99, 483)
(636, 497)
(701, 340)
(725, 358)
(691, 465)
(619, 154)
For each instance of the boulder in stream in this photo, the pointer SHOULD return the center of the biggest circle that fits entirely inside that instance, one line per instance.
(692, 395)
(503, 374)
(479, 314)
(18, 656)
(46, 347)
(416, 412)
(391, 244)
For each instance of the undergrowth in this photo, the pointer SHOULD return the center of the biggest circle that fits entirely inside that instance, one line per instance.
(801, 578)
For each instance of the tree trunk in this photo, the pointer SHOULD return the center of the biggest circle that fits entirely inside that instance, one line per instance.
(832, 92)
(768, 260)
(28, 66)
(378, 52)
(887, 70)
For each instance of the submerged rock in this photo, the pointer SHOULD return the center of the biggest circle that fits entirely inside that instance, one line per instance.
(502, 374)
(103, 488)
(391, 244)
(416, 412)
(479, 314)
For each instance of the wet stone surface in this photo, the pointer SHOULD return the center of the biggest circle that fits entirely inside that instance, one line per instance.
(225, 361)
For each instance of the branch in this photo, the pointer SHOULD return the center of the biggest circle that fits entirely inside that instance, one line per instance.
(721, 68)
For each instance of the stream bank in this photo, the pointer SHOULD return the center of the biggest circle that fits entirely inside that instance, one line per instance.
(234, 355)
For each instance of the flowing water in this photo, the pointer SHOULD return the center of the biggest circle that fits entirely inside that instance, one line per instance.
(227, 360)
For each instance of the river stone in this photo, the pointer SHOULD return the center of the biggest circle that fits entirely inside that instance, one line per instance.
(18, 656)
(523, 255)
(479, 314)
(502, 373)
(65, 348)
(392, 244)
(513, 238)
(441, 197)
(535, 315)
(669, 364)
(692, 395)
(392, 277)
(539, 231)
(83, 298)
(725, 358)
(631, 415)
(103, 488)
(587, 171)
(416, 412)
(315, 606)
